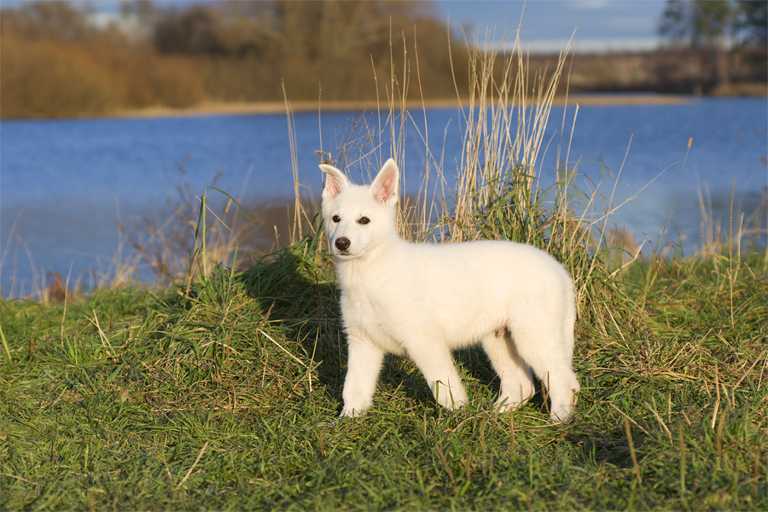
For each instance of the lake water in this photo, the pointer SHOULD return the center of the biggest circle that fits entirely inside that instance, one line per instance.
(65, 185)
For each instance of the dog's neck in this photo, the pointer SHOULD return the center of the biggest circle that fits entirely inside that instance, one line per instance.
(349, 270)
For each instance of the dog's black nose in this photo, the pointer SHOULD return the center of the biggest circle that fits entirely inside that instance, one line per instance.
(342, 243)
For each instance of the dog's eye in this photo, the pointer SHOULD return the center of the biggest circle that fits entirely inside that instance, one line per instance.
(336, 218)
(363, 220)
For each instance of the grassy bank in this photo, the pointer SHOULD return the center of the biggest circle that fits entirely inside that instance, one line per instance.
(227, 397)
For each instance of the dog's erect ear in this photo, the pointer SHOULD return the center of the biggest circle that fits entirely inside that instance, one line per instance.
(384, 186)
(335, 181)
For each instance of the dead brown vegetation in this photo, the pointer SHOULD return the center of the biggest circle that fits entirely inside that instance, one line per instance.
(54, 64)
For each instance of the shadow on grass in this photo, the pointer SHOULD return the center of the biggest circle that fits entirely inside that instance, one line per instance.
(607, 447)
(299, 295)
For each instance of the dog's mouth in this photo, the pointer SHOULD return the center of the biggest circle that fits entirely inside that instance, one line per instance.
(345, 255)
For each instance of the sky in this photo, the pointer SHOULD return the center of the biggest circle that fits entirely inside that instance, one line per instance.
(548, 24)
(597, 25)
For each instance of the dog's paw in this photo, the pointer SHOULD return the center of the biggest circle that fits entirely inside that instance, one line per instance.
(450, 397)
(507, 404)
(452, 403)
(519, 396)
(563, 407)
(561, 413)
(352, 412)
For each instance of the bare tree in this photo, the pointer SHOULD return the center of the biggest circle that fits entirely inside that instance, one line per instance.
(704, 26)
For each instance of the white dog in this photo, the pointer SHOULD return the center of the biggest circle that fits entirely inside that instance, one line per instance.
(424, 300)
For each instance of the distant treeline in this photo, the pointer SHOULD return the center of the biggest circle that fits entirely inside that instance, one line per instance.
(57, 62)
(670, 69)
(58, 59)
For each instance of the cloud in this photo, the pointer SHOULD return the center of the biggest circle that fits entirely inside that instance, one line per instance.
(579, 45)
(590, 4)
(629, 23)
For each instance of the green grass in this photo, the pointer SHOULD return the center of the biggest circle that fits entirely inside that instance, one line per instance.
(228, 398)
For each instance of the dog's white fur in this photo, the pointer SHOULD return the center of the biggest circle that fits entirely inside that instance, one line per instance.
(424, 300)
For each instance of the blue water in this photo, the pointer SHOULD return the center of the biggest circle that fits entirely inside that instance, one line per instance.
(66, 185)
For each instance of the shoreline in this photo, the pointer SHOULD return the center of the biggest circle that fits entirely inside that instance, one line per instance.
(242, 108)
(278, 107)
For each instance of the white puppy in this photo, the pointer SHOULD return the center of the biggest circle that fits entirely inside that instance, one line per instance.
(424, 300)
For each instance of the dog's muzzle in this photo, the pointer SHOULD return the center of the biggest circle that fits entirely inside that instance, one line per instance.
(342, 244)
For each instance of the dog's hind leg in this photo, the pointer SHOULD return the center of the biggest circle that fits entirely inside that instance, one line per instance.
(438, 368)
(516, 381)
(543, 348)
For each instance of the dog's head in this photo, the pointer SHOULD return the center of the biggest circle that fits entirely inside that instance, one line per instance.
(358, 217)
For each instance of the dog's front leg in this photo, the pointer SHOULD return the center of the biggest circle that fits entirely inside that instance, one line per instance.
(363, 369)
(436, 364)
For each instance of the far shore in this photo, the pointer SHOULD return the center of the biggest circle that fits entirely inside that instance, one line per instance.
(279, 107)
